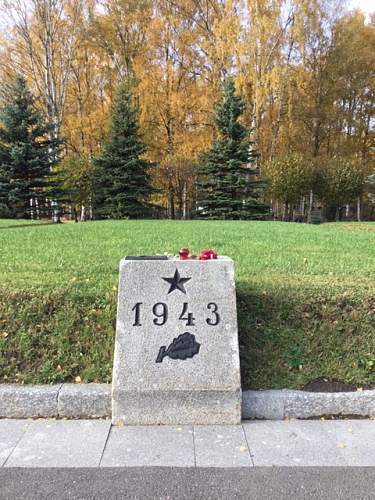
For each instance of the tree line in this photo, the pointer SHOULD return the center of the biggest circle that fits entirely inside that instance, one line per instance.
(299, 76)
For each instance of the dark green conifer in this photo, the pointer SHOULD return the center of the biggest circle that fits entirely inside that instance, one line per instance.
(227, 185)
(122, 183)
(26, 154)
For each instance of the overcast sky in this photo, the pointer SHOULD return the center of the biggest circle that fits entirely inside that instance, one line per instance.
(366, 5)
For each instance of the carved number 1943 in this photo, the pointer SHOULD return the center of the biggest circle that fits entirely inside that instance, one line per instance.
(160, 312)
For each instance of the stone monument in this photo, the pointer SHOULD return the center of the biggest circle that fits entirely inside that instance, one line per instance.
(176, 352)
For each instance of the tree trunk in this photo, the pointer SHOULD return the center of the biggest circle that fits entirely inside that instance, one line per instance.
(359, 209)
(32, 213)
(172, 212)
(311, 202)
(184, 202)
(337, 217)
(286, 212)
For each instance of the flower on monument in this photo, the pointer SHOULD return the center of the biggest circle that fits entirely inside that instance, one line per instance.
(184, 253)
(207, 254)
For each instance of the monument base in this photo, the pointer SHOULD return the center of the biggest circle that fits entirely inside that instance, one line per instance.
(177, 407)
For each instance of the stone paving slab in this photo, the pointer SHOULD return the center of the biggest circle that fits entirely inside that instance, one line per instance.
(11, 431)
(292, 443)
(221, 446)
(133, 446)
(61, 443)
(93, 443)
(355, 440)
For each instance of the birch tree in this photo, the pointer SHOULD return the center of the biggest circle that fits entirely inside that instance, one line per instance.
(44, 39)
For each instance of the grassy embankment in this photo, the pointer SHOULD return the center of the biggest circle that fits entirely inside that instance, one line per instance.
(306, 296)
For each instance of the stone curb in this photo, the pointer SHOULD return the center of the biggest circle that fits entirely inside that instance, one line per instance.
(94, 401)
(285, 403)
(62, 400)
(23, 401)
(84, 401)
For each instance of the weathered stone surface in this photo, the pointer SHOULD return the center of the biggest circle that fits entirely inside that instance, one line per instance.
(94, 400)
(354, 439)
(300, 404)
(84, 400)
(140, 446)
(24, 401)
(11, 432)
(267, 405)
(153, 381)
(285, 403)
(292, 443)
(61, 443)
(221, 446)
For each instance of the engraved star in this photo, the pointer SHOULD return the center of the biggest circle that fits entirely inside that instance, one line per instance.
(177, 283)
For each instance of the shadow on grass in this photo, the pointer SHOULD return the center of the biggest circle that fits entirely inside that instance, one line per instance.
(289, 337)
(263, 320)
(16, 226)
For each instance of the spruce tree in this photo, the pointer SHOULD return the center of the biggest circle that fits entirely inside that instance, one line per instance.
(26, 154)
(227, 187)
(122, 183)
(5, 183)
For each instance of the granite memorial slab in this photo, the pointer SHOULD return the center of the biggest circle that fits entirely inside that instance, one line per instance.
(176, 355)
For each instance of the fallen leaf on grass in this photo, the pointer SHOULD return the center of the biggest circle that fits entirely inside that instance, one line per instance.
(78, 380)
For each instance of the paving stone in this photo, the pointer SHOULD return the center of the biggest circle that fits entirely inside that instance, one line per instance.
(85, 400)
(11, 432)
(291, 443)
(355, 439)
(221, 446)
(61, 443)
(176, 355)
(28, 401)
(149, 446)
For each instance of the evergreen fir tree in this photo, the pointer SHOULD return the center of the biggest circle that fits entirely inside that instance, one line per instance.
(26, 154)
(227, 187)
(122, 184)
(5, 183)
(371, 184)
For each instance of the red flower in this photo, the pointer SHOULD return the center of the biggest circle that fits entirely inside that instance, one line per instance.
(184, 253)
(207, 255)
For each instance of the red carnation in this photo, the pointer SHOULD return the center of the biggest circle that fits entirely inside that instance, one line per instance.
(207, 255)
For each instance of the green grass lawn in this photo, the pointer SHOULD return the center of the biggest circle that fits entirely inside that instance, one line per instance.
(306, 296)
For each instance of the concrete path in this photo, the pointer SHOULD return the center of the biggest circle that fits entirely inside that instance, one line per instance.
(95, 443)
